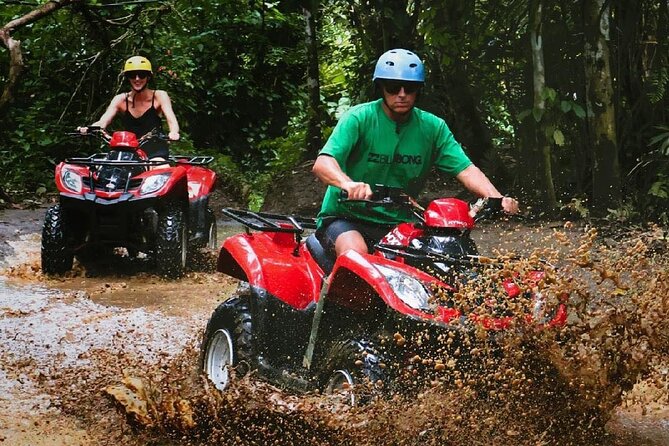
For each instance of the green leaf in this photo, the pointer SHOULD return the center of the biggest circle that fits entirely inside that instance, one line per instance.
(660, 189)
(549, 94)
(558, 137)
(524, 114)
(537, 113)
(565, 106)
(578, 110)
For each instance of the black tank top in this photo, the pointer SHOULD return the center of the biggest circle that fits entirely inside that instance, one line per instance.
(143, 125)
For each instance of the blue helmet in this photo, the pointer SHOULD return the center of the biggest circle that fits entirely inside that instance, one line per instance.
(401, 65)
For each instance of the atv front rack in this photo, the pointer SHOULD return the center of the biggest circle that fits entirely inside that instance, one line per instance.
(266, 222)
(196, 160)
(100, 159)
(434, 257)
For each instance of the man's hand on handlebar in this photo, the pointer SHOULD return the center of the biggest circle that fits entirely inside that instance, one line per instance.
(357, 190)
(510, 205)
(486, 206)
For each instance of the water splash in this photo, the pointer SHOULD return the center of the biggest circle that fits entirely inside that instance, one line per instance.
(519, 387)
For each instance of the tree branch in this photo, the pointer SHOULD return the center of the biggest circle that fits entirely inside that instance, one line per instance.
(14, 46)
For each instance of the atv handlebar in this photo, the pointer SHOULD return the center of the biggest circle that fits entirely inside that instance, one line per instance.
(92, 130)
(389, 196)
(101, 132)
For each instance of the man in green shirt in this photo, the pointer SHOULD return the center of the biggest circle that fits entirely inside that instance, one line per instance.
(389, 142)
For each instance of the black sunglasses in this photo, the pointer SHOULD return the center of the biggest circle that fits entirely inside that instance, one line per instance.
(394, 87)
(134, 74)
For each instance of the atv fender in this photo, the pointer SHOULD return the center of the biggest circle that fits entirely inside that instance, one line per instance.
(357, 284)
(239, 260)
(267, 261)
(201, 182)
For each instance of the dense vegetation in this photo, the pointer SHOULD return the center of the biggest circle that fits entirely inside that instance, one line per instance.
(563, 104)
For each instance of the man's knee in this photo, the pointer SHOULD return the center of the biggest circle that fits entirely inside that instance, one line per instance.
(350, 240)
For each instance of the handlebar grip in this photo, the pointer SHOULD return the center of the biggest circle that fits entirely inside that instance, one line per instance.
(343, 195)
(495, 204)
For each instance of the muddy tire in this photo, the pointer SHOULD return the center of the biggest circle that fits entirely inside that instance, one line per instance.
(57, 258)
(353, 371)
(201, 251)
(171, 243)
(228, 342)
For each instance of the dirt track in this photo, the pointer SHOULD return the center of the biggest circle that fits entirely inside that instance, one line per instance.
(52, 326)
(70, 338)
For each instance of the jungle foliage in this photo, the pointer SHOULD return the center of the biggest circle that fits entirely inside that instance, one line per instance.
(237, 73)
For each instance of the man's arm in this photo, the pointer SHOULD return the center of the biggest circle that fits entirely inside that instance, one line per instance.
(327, 169)
(477, 183)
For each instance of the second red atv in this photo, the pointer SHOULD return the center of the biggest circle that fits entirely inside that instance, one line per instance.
(307, 321)
(121, 199)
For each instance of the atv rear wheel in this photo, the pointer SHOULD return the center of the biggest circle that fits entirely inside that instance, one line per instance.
(353, 371)
(57, 258)
(227, 342)
(171, 243)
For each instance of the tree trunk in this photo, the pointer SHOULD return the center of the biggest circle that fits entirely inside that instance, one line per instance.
(606, 192)
(539, 104)
(313, 137)
(14, 46)
(397, 25)
(455, 99)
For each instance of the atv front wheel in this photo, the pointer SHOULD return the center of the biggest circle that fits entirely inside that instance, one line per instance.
(353, 371)
(56, 257)
(171, 244)
(227, 342)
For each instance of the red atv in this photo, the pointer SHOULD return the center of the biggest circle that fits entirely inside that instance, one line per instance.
(120, 198)
(308, 321)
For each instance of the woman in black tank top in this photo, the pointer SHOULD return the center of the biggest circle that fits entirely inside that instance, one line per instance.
(141, 108)
(143, 124)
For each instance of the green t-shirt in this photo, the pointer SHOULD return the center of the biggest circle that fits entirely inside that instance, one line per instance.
(372, 148)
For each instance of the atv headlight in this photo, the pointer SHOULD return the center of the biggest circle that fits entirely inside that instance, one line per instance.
(71, 180)
(541, 309)
(153, 183)
(408, 289)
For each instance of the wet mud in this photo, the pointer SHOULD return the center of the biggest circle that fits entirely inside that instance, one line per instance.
(108, 355)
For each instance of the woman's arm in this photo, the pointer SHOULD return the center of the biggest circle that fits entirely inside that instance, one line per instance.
(111, 111)
(166, 108)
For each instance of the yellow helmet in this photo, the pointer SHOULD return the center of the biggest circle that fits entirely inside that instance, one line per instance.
(137, 63)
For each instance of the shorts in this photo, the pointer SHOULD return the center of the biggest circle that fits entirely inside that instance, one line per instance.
(332, 228)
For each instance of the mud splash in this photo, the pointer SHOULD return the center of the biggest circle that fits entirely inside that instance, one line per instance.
(520, 387)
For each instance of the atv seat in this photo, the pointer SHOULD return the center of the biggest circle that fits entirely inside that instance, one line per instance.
(325, 261)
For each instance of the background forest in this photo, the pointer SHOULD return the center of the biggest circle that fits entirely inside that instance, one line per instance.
(564, 103)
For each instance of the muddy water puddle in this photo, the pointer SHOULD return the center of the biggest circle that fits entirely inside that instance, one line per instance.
(108, 358)
(63, 340)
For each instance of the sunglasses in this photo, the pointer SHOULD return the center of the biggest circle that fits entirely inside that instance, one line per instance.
(139, 74)
(394, 87)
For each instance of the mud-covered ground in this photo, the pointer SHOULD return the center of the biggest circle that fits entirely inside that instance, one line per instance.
(108, 356)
